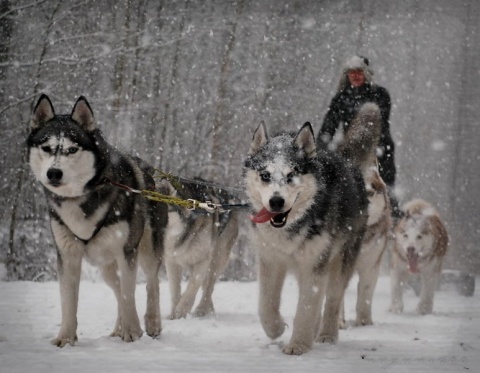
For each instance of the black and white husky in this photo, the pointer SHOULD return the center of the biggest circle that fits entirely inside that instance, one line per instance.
(198, 242)
(91, 218)
(310, 214)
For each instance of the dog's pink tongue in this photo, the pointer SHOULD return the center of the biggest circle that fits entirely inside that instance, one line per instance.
(413, 263)
(263, 216)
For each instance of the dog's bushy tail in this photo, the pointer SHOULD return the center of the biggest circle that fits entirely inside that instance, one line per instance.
(362, 137)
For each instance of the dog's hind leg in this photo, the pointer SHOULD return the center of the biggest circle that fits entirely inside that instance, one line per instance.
(130, 330)
(205, 307)
(174, 274)
(110, 276)
(218, 262)
(150, 264)
(338, 278)
(216, 267)
(366, 287)
(187, 299)
(368, 267)
(70, 253)
(153, 323)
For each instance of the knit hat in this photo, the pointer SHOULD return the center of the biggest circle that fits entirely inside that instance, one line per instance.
(355, 63)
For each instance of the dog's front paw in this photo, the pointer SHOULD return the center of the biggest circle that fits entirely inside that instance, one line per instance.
(116, 333)
(131, 333)
(296, 348)
(153, 326)
(181, 310)
(204, 309)
(62, 341)
(178, 314)
(273, 326)
(363, 321)
(324, 338)
(424, 309)
(117, 329)
(396, 308)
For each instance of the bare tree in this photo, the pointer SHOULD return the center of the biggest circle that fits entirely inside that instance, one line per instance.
(218, 130)
(185, 83)
(21, 168)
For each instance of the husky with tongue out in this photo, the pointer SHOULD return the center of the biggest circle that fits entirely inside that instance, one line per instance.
(309, 217)
(421, 244)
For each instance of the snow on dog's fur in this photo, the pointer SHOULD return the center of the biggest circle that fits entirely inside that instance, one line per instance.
(200, 243)
(90, 218)
(421, 244)
(310, 213)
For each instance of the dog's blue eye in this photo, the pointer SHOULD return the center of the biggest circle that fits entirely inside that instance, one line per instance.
(72, 150)
(47, 149)
(265, 176)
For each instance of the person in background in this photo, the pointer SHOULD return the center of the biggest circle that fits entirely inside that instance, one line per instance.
(355, 88)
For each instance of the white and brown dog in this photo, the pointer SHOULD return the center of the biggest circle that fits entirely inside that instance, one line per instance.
(420, 246)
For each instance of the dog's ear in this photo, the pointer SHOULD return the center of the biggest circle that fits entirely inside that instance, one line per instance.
(305, 140)
(42, 113)
(259, 138)
(440, 233)
(82, 114)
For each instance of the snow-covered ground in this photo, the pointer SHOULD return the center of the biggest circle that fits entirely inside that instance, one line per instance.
(447, 341)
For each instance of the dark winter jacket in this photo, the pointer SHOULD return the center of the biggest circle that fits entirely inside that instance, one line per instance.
(345, 105)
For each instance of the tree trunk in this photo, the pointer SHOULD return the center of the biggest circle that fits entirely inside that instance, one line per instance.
(218, 130)
(119, 71)
(155, 74)
(171, 91)
(20, 176)
(136, 76)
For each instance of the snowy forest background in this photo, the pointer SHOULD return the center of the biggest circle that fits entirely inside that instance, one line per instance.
(184, 83)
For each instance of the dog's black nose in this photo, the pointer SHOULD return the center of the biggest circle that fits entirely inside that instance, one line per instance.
(276, 203)
(54, 175)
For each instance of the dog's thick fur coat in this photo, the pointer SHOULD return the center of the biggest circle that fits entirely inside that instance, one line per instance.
(420, 246)
(200, 243)
(90, 218)
(310, 209)
(359, 145)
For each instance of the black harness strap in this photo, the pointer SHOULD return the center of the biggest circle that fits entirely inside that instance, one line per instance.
(97, 229)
